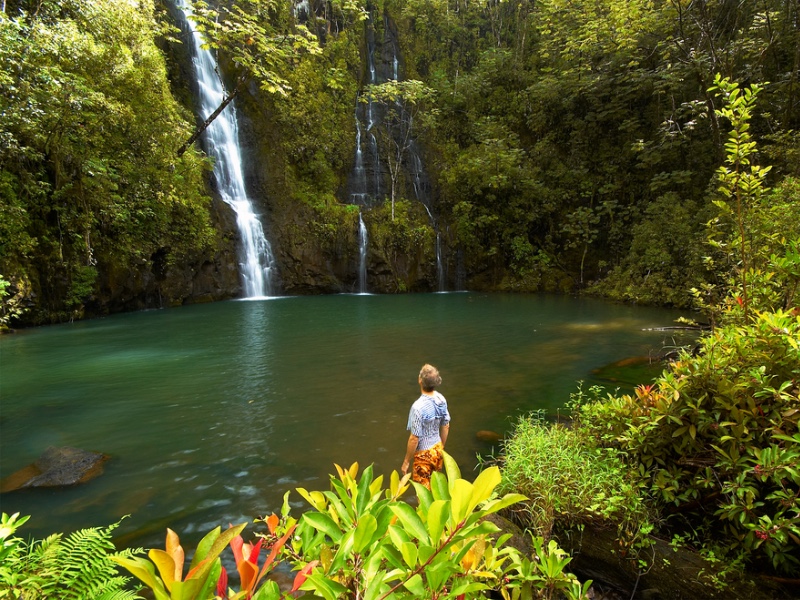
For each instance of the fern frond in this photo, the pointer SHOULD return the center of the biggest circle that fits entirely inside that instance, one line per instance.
(77, 567)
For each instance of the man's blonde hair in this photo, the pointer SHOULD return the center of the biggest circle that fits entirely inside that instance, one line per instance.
(429, 377)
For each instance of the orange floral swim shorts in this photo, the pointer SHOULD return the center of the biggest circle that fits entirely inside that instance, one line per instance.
(426, 462)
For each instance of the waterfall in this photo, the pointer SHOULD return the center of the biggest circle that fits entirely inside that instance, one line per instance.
(362, 256)
(440, 274)
(359, 194)
(439, 264)
(365, 182)
(222, 144)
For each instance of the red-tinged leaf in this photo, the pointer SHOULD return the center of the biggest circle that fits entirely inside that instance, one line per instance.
(212, 552)
(236, 546)
(255, 550)
(222, 583)
(248, 573)
(275, 549)
(272, 522)
(301, 577)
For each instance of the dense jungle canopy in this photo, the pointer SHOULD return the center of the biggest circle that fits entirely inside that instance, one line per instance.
(566, 145)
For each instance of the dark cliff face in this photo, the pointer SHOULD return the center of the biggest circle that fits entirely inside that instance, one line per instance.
(157, 282)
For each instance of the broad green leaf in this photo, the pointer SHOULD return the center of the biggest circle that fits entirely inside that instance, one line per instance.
(367, 526)
(424, 553)
(398, 535)
(384, 518)
(200, 571)
(207, 591)
(439, 487)
(438, 513)
(393, 556)
(416, 587)
(187, 590)
(424, 497)
(343, 552)
(268, 591)
(495, 505)
(343, 512)
(483, 528)
(204, 546)
(452, 470)
(467, 586)
(411, 521)
(375, 588)
(323, 522)
(328, 588)
(437, 574)
(363, 492)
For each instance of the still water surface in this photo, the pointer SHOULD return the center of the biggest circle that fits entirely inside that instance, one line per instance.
(211, 413)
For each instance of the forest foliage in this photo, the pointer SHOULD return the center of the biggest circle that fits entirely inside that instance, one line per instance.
(569, 144)
(89, 179)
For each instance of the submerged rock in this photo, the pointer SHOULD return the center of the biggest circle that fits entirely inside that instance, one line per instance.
(489, 436)
(57, 467)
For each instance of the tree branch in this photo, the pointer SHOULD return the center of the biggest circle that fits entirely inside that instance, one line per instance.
(239, 86)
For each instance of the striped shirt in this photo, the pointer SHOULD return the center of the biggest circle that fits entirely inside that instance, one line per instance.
(426, 416)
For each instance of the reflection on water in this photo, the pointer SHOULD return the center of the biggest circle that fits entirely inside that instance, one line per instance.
(211, 413)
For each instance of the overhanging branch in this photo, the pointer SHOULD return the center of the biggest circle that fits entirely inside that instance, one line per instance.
(235, 92)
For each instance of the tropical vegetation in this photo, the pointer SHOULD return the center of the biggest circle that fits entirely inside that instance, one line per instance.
(564, 145)
(645, 151)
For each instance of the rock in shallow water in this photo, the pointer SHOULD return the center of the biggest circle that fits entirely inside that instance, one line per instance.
(57, 467)
(489, 436)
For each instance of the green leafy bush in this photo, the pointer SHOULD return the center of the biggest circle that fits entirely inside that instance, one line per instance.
(717, 437)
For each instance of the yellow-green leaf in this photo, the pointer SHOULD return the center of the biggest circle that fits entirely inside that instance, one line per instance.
(460, 494)
(409, 552)
(165, 565)
(144, 570)
(483, 486)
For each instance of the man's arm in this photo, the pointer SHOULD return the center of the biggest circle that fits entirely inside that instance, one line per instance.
(443, 431)
(411, 447)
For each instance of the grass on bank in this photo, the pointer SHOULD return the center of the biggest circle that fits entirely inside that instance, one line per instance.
(569, 479)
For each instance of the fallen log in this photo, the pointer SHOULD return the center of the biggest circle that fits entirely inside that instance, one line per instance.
(669, 573)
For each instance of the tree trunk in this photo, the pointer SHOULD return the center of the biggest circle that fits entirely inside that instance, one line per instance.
(212, 116)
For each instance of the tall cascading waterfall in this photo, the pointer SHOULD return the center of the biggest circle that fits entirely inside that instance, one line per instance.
(366, 185)
(221, 139)
(362, 255)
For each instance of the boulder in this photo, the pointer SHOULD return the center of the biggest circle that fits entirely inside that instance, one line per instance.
(57, 467)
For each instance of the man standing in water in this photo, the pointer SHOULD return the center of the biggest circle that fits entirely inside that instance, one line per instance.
(429, 424)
